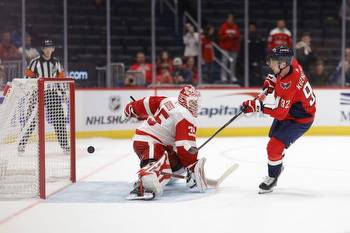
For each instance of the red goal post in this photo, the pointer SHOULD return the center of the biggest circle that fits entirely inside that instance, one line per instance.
(37, 137)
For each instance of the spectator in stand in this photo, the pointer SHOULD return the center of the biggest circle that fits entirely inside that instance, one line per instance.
(336, 76)
(318, 75)
(279, 36)
(191, 41)
(30, 52)
(229, 40)
(16, 37)
(7, 50)
(257, 56)
(180, 74)
(164, 59)
(208, 54)
(192, 70)
(304, 52)
(165, 76)
(143, 67)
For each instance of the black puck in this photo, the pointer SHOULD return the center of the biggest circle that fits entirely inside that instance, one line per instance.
(91, 149)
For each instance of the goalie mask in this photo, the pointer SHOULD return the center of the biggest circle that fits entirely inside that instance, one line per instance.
(189, 98)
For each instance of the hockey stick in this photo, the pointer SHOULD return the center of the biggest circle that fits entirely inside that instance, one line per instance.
(194, 150)
(211, 182)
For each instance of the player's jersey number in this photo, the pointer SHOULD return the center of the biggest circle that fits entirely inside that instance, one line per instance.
(158, 117)
(161, 114)
(309, 93)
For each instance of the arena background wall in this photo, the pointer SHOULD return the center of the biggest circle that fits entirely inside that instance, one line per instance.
(99, 112)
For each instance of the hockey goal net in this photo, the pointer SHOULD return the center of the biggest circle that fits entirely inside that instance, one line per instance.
(37, 137)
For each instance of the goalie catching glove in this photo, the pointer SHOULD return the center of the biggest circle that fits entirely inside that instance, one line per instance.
(129, 111)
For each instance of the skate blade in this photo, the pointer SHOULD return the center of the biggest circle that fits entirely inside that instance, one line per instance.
(263, 191)
(145, 197)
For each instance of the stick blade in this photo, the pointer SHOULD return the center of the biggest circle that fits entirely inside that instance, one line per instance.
(228, 172)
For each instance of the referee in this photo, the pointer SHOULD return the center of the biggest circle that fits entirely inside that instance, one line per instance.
(49, 67)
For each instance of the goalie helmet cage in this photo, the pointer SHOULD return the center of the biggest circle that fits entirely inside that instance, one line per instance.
(37, 137)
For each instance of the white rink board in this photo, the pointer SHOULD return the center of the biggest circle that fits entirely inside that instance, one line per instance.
(102, 110)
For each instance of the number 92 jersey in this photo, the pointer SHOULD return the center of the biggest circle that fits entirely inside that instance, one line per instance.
(171, 124)
(294, 97)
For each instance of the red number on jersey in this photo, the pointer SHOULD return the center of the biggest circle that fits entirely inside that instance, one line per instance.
(157, 117)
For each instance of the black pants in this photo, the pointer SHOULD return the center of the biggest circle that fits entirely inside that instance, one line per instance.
(53, 104)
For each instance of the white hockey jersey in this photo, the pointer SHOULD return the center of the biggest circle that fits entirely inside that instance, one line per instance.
(166, 122)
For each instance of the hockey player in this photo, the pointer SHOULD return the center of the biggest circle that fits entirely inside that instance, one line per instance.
(164, 141)
(293, 112)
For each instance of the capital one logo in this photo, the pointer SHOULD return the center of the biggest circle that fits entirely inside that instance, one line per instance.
(345, 103)
(114, 103)
(345, 98)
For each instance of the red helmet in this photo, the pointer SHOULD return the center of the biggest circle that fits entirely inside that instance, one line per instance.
(189, 97)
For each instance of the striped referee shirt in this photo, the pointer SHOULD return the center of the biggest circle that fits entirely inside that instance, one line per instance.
(42, 68)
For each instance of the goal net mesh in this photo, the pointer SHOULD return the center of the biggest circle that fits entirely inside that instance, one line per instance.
(20, 140)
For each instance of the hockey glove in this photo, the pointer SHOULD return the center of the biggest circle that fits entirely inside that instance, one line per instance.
(252, 106)
(129, 111)
(269, 83)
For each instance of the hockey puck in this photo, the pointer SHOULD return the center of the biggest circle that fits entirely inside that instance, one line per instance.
(91, 149)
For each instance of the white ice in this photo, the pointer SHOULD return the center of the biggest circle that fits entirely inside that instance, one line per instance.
(312, 195)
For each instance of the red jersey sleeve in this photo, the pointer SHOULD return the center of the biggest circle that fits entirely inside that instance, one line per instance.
(185, 138)
(146, 106)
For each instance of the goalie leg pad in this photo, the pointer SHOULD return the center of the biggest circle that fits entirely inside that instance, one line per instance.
(151, 175)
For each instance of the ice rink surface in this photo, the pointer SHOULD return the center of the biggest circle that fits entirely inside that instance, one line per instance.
(313, 193)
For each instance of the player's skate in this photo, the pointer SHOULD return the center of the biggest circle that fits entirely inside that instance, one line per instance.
(269, 182)
(267, 185)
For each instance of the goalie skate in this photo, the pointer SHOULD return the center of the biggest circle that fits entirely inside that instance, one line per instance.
(146, 196)
(139, 193)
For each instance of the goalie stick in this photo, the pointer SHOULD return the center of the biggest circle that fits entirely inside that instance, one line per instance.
(211, 182)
